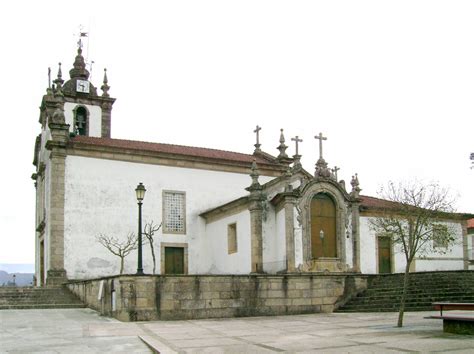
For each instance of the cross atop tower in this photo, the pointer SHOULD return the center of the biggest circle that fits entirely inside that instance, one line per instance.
(257, 145)
(320, 137)
(297, 140)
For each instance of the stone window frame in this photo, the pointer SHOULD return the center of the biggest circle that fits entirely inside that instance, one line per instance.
(392, 252)
(88, 114)
(232, 239)
(163, 245)
(435, 239)
(165, 229)
(340, 201)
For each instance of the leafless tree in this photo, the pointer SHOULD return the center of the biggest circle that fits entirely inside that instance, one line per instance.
(117, 247)
(149, 232)
(412, 217)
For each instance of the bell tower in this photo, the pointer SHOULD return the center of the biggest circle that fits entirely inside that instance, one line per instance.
(85, 111)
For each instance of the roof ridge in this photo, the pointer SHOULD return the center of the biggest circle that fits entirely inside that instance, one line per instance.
(167, 144)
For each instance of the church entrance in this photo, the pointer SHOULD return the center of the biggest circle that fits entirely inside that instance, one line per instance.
(384, 254)
(323, 227)
(174, 260)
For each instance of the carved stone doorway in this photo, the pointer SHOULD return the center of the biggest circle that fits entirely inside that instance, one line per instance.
(323, 227)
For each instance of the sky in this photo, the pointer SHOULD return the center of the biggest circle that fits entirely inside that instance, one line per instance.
(389, 83)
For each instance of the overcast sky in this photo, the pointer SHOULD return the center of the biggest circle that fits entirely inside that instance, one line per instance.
(390, 83)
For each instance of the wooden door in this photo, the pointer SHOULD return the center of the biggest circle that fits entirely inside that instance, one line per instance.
(385, 255)
(323, 218)
(174, 260)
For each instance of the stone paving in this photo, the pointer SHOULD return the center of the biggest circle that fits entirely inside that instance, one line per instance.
(84, 331)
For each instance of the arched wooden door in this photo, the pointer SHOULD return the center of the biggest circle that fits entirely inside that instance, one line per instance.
(323, 218)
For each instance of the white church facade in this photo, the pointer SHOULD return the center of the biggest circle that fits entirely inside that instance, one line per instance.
(220, 212)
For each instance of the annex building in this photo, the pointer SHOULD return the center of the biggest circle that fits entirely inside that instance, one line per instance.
(221, 212)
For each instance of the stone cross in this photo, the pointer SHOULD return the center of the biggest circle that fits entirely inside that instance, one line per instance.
(297, 140)
(320, 137)
(257, 130)
(335, 171)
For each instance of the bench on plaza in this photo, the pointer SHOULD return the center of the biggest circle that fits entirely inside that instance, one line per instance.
(458, 323)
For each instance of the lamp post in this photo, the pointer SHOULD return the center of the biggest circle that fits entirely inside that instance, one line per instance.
(140, 191)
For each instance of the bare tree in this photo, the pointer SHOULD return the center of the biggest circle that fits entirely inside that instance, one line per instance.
(118, 247)
(149, 232)
(411, 217)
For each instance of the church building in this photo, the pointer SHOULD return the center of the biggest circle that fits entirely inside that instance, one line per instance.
(220, 212)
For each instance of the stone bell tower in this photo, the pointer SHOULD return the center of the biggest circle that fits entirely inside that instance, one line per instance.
(67, 110)
(85, 111)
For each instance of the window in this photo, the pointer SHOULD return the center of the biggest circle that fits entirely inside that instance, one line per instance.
(174, 212)
(231, 238)
(80, 121)
(472, 248)
(440, 236)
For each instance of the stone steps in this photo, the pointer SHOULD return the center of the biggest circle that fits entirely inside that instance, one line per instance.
(384, 291)
(38, 298)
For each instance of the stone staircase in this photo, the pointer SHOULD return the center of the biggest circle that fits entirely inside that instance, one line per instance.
(37, 298)
(384, 291)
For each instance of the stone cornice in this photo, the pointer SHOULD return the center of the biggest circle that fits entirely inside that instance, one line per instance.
(231, 208)
(167, 159)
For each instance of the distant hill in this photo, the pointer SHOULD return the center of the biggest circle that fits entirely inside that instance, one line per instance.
(17, 267)
(21, 279)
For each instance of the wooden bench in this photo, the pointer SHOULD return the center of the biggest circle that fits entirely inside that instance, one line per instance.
(455, 323)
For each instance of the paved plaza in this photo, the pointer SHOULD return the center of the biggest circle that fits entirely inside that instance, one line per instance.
(84, 331)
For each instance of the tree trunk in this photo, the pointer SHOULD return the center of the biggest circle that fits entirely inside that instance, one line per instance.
(121, 264)
(404, 295)
(153, 256)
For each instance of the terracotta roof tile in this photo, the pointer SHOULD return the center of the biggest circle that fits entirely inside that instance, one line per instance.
(470, 223)
(376, 203)
(172, 149)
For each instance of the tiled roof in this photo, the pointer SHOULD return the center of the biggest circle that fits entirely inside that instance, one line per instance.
(376, 203)
(470, 223)
(172, 149)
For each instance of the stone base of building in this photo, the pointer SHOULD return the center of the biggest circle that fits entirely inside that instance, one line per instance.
(324, 265)
(56, 277)
(145, 298)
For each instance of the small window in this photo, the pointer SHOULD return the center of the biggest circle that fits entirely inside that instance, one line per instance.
(80, 121)
(174, 212)
(231, 238)
(472, 248)
(440, 236)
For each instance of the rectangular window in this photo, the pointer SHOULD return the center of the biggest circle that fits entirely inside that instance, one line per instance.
(440, 236)
(231, 238)
(174, 212)
(472, 248)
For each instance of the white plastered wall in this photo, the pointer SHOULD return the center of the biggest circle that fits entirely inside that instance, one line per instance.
(216, 241)
(452, 260)
(95, 118)
(274, 244)
(100, 198)
(298, 240)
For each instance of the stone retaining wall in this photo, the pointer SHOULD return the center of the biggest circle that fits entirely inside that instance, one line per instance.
(142, 298)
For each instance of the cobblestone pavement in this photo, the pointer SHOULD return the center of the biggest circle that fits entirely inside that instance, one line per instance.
(84, 331)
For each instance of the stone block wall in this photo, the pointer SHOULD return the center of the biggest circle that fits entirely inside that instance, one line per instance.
(142, 298)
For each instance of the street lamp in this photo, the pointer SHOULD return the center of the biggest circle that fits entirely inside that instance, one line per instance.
(140, 191)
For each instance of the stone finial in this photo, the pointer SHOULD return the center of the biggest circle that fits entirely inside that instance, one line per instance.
(59, 82)
(355, 186)
(254, 174)
(334, 170)
(282, 147)
(79, 67)
(105, 87)
(322, 169)
(58, 116)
